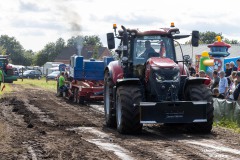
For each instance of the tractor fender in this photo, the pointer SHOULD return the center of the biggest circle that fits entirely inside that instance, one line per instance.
(128, 81)
(189, 81)
(115, 71)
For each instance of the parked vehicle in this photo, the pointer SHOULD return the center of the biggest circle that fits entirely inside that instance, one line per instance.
(53, 75)
(32, 74)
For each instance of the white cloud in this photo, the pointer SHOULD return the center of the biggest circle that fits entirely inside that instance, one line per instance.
(35, 23)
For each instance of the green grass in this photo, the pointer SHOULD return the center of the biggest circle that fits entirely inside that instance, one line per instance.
(50, 85)
(228, 124)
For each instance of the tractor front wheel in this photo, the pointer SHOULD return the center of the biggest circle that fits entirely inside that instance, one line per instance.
(109, 109)
(128, 115)
(196, 92)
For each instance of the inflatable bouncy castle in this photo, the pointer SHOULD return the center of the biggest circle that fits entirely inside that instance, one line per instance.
(219, 50)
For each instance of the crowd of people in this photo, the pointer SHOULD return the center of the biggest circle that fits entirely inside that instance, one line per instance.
(223, 84)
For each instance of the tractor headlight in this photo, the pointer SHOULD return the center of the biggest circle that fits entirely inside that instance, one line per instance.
(176, 77)
(176, 74)
(159, 78)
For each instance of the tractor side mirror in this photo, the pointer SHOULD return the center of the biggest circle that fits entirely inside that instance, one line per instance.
(195, 38)
(110, 41)
(186, 57)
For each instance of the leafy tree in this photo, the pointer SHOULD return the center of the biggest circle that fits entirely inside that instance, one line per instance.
(92, 41)
(2, 50)
(13, 48)
(208, 37)
(40, 58)
(233, 41)
(60, 44)
(75, 41)
(95, 42)
(28, 58)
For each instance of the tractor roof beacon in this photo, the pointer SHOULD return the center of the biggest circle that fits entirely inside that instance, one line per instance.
(149, 85)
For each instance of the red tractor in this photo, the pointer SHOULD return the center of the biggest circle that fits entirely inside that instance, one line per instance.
(149, 85)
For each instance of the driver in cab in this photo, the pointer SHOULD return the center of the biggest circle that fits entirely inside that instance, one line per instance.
(149, 52)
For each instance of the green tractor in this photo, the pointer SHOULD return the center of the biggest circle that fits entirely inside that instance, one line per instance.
(8, 72)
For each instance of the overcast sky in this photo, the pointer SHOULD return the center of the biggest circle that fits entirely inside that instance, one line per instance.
(36, 23)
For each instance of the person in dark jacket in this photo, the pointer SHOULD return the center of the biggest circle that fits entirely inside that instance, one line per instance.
(216, 94)
(232, 66)
(216, 80)
(192, 71)
(228, 70)
(149, 52)
(236, 92)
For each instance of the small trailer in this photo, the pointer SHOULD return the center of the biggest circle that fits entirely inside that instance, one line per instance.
(87, 78)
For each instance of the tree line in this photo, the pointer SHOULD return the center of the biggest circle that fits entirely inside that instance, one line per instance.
(20, 56)
(209, 37)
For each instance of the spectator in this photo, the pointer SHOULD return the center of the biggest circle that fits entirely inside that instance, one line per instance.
(238, 64)
(207, 82)
(192, 71)
(232, 77)
(228, 70)
(216, 94)
(232, 66)
(232, 89)
(216, 80)
(223, 84)
(237, 89)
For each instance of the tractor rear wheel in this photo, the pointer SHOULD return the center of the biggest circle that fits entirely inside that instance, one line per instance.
(128, 115)
(196, 92)
(109, 108)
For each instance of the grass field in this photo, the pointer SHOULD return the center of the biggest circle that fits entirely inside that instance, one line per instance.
(50, 85)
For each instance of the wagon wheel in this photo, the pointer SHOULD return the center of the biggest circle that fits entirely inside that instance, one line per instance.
(80, 100)
(75, 95)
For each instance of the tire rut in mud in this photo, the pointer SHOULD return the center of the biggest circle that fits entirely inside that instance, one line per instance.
(35, 138)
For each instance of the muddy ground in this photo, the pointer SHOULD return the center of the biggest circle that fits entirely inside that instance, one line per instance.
(35, 124)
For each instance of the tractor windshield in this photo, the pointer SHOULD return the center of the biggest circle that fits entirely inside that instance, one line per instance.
(152, 46)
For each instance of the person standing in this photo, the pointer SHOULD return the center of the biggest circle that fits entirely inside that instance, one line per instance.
(228, 70)
(62, 85)
(216, 80)
(232, 66)
(208, 81)
(236, 93)
(223, 84)
(238, 64)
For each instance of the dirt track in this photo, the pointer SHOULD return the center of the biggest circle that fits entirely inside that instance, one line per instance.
(34, 124)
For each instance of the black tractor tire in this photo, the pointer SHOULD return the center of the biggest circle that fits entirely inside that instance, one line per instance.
(128, 115)
(197, 92)
(109, 109)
